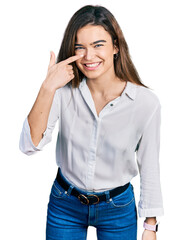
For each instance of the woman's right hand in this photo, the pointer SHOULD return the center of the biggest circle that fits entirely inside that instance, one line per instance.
(59, 74)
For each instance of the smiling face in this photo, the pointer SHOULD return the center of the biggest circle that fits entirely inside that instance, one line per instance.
(95, 43)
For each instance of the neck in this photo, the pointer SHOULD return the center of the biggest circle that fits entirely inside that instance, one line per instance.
(104, 85)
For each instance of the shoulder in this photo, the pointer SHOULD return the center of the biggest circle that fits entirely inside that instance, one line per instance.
(146, 104)
(147, 97)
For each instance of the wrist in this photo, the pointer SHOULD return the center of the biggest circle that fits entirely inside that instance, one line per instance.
(150, 227)
(47, 88)
(151, 220)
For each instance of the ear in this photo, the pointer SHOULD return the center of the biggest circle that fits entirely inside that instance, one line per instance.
(116, 49)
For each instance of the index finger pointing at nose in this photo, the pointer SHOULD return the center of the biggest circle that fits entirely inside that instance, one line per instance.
(73, 58)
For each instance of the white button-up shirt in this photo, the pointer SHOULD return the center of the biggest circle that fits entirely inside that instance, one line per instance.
(98, 153)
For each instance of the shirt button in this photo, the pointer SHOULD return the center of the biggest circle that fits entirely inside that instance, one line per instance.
(111, 104)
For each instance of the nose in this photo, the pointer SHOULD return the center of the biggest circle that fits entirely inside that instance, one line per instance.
(89, 54)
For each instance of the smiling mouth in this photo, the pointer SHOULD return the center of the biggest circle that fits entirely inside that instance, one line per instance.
(91, 66)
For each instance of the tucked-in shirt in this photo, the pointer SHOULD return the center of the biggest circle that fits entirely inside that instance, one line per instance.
(100, 152)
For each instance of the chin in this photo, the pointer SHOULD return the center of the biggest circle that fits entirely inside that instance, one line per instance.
(92, 75)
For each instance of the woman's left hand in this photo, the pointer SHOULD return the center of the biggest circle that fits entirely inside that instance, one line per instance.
(149, 235)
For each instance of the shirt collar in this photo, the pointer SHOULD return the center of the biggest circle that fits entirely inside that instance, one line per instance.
(130, 89)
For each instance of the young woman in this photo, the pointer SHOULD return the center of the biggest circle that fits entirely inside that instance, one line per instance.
(106, 115)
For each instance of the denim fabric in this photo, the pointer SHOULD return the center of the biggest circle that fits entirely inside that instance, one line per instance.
(68, 218)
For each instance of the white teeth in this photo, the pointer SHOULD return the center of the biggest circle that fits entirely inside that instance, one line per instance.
(92, 65)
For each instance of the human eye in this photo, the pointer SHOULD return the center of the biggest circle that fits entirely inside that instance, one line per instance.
(98, 45)
(78, 48)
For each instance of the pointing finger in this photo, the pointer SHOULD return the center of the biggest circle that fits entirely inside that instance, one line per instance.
(72, 59)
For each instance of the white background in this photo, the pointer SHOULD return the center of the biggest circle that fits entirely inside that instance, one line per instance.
(29, 30)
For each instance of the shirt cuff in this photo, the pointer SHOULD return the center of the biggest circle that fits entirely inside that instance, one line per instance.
(26, 144)
(150, 212)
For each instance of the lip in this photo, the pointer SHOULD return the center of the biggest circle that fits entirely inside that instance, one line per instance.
(91, 68)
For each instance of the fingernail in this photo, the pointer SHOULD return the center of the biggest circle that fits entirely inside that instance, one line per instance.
(81, 55)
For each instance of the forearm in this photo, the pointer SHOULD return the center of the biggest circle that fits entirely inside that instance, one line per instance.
(38, 116)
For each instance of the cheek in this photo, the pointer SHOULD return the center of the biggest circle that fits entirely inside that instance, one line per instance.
(79, 51)
(106, 54)
(78, 65)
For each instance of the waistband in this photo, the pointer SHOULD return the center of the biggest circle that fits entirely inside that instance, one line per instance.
(83, 196)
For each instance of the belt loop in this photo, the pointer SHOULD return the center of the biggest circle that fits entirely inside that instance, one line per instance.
(107, 196)
(69, 190)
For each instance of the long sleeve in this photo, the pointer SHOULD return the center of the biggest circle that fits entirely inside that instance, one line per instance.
(25, 144)
(150, 203)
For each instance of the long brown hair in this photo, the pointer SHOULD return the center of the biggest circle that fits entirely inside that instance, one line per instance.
(98, 15)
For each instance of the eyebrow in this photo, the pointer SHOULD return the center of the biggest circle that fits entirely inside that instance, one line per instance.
(77, 44)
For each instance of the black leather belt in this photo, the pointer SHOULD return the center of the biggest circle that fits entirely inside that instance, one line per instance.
(91, 198)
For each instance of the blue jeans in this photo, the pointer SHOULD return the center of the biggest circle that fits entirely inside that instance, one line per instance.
(68, 218)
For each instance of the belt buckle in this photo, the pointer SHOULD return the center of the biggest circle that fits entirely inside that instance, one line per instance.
(96, 197)
(84, 200)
